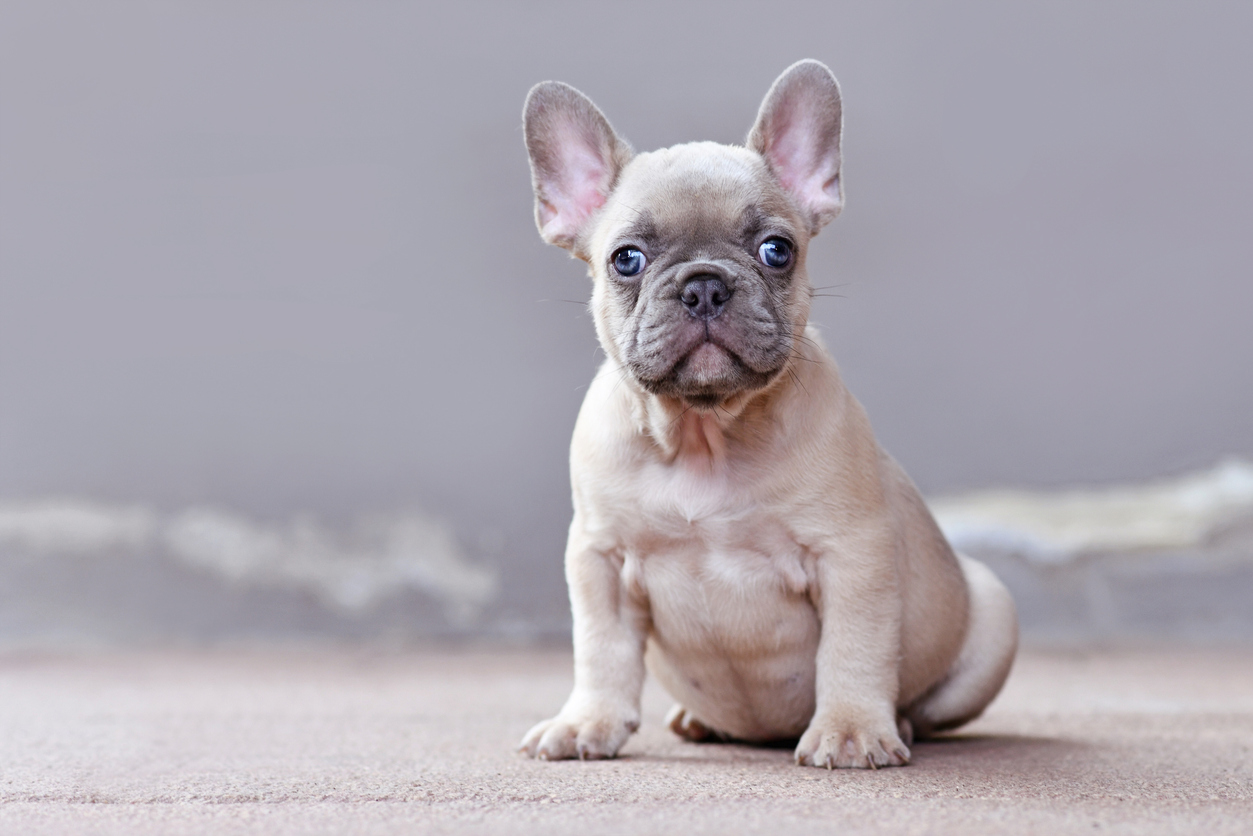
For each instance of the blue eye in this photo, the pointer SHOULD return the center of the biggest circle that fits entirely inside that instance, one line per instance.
(775, 252)
(629, 261)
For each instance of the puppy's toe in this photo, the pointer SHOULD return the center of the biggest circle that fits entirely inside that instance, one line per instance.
(682, 723)
(549, 740)
(585, 738)
(856, 740)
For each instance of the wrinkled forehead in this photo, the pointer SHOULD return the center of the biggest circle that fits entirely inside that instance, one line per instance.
(700, 190)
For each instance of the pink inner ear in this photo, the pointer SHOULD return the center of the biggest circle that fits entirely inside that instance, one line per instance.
(578, 188)
(802, 167)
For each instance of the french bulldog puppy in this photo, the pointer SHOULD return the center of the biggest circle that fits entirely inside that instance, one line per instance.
(737, 529)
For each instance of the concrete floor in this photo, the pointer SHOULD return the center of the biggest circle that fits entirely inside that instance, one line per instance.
(353, 742)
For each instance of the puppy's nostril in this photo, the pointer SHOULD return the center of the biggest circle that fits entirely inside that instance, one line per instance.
(705, 296)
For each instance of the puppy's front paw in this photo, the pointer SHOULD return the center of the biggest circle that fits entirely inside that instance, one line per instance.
(587, 736)
(852, 737)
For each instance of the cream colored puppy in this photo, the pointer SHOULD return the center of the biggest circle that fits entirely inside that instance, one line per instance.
(737, 529)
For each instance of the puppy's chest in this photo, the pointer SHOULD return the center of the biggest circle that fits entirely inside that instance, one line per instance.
(699, 543)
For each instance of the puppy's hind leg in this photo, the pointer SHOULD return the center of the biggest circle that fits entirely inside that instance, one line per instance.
(982, 665)
(681, 722)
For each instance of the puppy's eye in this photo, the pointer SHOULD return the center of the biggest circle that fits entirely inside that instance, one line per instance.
(629, 261)
(775, 252)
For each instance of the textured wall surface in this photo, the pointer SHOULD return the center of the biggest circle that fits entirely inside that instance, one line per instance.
(272, 266)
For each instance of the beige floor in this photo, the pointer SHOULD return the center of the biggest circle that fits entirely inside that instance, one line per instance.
(270, 742)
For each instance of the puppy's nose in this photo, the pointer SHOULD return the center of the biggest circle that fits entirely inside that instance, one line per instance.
(705, 296)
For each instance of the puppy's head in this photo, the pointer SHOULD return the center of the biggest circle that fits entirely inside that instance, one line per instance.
(697, 252)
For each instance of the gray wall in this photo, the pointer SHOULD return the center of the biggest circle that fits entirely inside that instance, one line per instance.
(279, 257)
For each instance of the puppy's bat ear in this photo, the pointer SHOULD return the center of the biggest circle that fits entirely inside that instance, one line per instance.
(575, 160)
(798, 133)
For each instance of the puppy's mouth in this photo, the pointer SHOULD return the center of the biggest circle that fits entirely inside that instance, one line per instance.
(706, 375)
(708, 364)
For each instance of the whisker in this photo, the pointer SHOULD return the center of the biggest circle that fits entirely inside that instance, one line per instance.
(796, 379)
(809, 341)
(621, 377)
(638, 212)
(675, 422)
